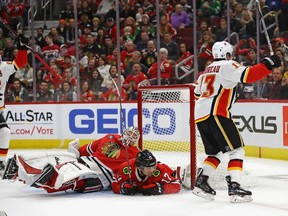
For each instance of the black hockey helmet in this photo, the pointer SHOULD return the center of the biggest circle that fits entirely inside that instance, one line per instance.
(145, 159)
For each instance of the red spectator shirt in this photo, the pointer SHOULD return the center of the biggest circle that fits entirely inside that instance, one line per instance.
(165, 69)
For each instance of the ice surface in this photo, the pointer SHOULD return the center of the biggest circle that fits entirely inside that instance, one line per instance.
(269, 198)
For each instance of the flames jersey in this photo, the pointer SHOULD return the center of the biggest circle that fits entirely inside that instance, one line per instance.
(215, 92)
(163, 174)
(7, 68)
(109, 150)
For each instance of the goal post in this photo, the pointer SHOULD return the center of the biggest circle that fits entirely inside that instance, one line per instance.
(166, 125)
(167, 128)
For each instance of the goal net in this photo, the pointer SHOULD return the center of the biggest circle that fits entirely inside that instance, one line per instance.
(167, 128)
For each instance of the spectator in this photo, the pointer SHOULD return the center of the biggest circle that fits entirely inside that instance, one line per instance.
(127, 11)
(91, 48)
(70, 35)
(132, 81)
(51, 50)
(243, 47)
(112, 60)
(112, 93)
(149, 55)
(95, 26)
(203, 26)
(205, 47)
(85, 11)
(95, 81)
(58, 39)
(9, 49)
(67, 63)
(248, 26)
(171, 46)
(264, 88)
(210, 8)
(148, 9)
(251, 58)
(222, 32)
(186, 67)
(25, 75)
(111, 28)
(103, 67)
(56, 79)
(135, 58)
(109, 46)
(15, 11)
(187, 8)
(87, 95)
(165, 68)
(66, 93)
(145, 25)
(165, 26)
(44, 94)
(180, 19)
(18, 93)
(68, 77)
(108, 83)
(62, 30)
(83, 62)
(279, 89)
(67, 13)
(86, 72)
(126, 55)
(128, 34)
(39, 38)
(141, 45)
(100, 40)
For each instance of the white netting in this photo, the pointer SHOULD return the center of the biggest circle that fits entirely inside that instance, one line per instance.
(166, 132)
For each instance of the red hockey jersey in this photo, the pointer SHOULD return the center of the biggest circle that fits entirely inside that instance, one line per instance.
(109, 150)
(163, 174)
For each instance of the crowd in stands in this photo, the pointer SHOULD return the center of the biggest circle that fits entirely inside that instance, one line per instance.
(98, 51)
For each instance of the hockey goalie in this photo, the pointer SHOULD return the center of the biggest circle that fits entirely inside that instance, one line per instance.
(88, 168)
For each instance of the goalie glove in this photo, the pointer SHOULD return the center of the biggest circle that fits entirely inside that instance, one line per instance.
(73, 147)
(128, 189)
(153, 189)
(271, 62)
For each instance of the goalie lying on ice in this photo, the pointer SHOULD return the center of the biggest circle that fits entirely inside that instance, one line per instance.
(88, 168)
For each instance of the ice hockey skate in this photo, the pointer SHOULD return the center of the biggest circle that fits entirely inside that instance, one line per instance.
(202, 187)
(46, 175)
(237, 193)
(11, 168)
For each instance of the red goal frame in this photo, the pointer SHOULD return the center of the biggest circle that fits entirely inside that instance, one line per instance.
(192, 130)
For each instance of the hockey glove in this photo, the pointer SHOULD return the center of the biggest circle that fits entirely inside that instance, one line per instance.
(153, 189)
(271, 62)
(22, 42)
(128, 189)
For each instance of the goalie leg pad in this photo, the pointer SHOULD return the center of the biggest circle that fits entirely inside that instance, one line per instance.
(88, 185)
(11, 169)
(105, 174)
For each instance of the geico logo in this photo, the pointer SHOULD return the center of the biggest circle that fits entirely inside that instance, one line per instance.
(29, 116)
(163, 121)
(108, 121)
(262, 124)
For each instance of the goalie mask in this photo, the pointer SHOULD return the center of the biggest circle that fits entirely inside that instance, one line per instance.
(145, 159)
(130, 136)
(221, 49)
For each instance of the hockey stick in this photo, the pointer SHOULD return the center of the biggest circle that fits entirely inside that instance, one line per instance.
(29, 48)
(264, 27)
(122, 128)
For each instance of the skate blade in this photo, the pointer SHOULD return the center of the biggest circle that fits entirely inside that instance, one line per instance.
(199, 192)
(240, 199)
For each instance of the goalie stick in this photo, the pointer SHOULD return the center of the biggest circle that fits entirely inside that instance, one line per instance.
(123, 128)
(29, 48)
(264, 27)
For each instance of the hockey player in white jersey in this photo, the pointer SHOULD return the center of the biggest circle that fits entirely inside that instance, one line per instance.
(7, 68)
(215, 94)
